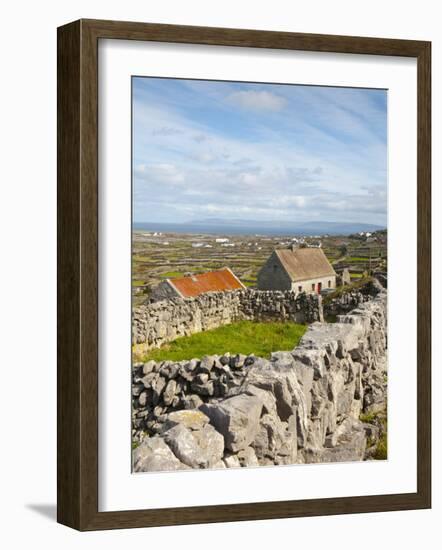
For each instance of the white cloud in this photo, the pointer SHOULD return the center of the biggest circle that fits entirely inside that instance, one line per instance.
(160, 173)
(274, 167)
(247, 178)
(166, 131)
(257, 100)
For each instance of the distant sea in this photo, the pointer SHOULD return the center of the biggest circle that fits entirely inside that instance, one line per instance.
(214, 228)
(209, 229)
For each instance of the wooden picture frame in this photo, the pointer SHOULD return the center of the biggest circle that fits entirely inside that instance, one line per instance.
(77, 226)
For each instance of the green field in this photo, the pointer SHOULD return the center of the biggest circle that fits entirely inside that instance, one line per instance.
(171, 274)
(245, 337)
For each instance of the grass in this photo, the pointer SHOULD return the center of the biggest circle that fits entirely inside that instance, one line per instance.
(169, 274)
(381, 451)
(245, 337)
(368, 418)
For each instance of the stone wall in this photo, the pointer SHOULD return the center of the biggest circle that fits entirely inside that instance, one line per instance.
(296, 407)
(346, 300)
(160, 322)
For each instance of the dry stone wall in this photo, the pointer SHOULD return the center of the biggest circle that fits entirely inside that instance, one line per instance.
(160, 322)
(296, 407)
(351, 298)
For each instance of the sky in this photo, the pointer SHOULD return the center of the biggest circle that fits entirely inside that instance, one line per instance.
(231, 150)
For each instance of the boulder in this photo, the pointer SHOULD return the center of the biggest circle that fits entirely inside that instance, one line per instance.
(148, 367)
(270, 437)
(154, 455)
(350, 446)
(247, 457)
(206, 364)
(313, 358)
(196, 448)
(236, 418)
(267, 398)
(232, 461)
(205, 389)
(282, 383)
(192, 401)
(158, 388)
(237, 361)
(191, 419)
(169, 392)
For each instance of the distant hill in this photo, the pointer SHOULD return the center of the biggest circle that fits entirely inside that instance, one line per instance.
(300, 228)
(255, 227)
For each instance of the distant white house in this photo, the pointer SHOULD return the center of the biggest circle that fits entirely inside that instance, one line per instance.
(221, 240)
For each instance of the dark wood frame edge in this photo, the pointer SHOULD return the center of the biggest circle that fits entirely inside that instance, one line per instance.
(77, 309)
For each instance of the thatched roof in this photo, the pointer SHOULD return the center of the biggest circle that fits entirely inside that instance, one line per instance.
(305, 263)
(211, 281)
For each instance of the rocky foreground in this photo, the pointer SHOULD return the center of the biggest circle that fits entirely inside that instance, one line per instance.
(303, 406)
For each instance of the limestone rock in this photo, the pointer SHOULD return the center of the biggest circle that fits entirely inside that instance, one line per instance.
(270, 437)
(198, 449)
(192, 401)
(247, 457)
(169, 392)
(232, 461)
(236, 418)
(206, 364)
(148, 367)
(191, 419)
(154, 455)
(350, 446)
(310, 398)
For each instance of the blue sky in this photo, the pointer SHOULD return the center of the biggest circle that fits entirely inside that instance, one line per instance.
(230, 150)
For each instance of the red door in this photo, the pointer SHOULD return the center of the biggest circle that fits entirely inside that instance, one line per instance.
(319, 288)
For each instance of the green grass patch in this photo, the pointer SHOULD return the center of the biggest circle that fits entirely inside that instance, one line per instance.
(245, 337)
(169, 274)
(137, 282)
(381, 452)
(379, 419)
(143, 260)
(368, 418)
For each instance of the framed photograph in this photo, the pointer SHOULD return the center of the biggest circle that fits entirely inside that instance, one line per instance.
(243, 274)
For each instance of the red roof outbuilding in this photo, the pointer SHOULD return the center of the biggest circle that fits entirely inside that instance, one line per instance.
(212, 281)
